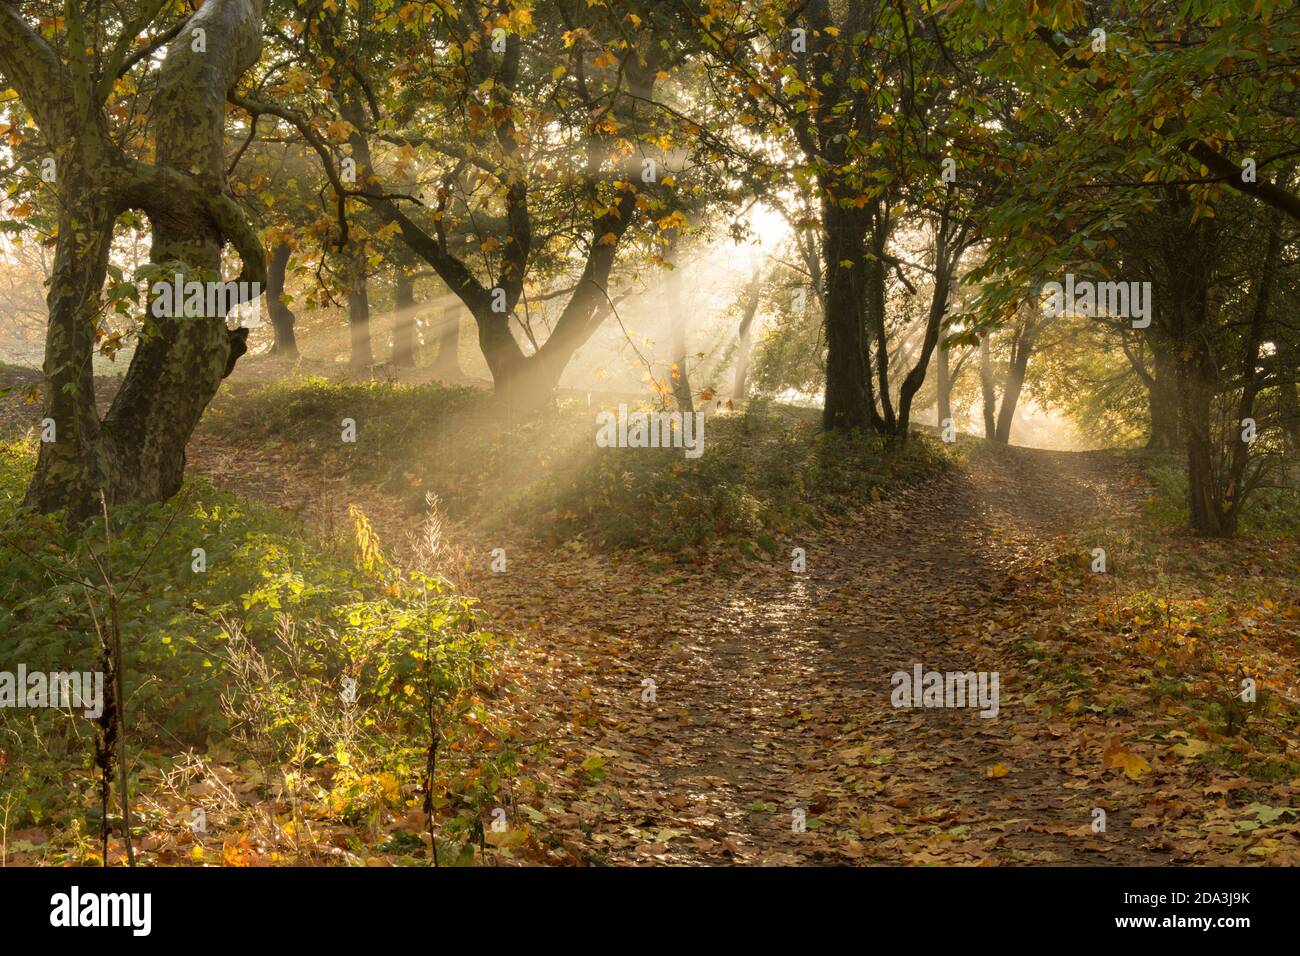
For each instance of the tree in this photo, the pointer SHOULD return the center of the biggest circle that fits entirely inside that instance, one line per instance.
(786, 63)
(1120, 149)
(513, 124)
(445, 333)
(356, 280)
(282, 317)
(404, 309)
(1022, 339)
(744, 335)
(276, 184)
(68, 69)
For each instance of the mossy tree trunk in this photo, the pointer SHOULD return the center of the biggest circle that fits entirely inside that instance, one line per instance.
(137, 451)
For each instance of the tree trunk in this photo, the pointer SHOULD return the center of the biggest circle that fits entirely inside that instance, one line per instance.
(1022, 347)
(849, 401)
(679, 378)
(528, 388)
(987, 389)
(282, 317)
(446, 362)
(744, 345)
(137, 453)
(874, 274)
(1189, 261)
(943, 385)
(1235, 489)
(1010, 399)
(1162, 400)
(1288, 353)
(915, 378)
(403, 353)
(175, 374)
(362, 356)
(71, 470)
(1196, 387)
(916, 375)
(1196, 397)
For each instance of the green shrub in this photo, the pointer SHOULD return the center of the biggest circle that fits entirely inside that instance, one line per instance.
(412, 645)
(768, 470)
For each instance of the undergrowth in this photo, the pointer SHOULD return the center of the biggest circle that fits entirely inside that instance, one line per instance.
(765, 471)
(244, 640)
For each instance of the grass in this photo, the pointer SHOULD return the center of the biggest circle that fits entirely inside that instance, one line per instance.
(765, 471)
(239, 656)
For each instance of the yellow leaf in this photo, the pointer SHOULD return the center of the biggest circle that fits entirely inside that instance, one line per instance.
(999, 769)
(339, 130)
(1132, 764)
(512, 836)
(1192, 748)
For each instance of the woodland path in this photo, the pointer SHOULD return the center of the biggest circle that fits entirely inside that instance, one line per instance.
(774, 693)
(773, 690)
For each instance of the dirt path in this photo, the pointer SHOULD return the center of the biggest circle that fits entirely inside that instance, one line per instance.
(772, 691)
(773, 694)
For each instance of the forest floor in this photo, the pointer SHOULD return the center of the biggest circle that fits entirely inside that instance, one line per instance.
(772, 688)
(1120, 737)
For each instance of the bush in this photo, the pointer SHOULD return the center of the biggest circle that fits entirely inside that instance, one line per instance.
(1268, 512)
(766, 471)
(194, 639)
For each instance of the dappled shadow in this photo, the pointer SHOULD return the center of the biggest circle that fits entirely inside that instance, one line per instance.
(764, 683)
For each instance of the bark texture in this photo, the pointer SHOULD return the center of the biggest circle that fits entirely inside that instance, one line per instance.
(282, 318)
(137, 451)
